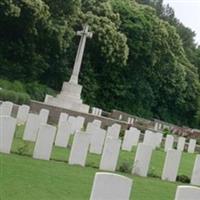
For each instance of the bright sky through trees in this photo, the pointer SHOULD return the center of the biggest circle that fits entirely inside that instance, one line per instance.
(188, 11)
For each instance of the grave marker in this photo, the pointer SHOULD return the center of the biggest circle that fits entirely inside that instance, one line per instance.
(31, 128)
(43, 116)
(181, 143)
(192, 146)
(97, 141)
(142, 160)
(7, 131)
(22, 114)
(62, 117)
(63, 134)
(79, 149)
(97, 122)
(114, 131)
(131, 139)
(171, 166)
(107, 186)
(110, 154)
(169, 142)
(195, 180)
(6, 108)
(44, 142)
(187, 193)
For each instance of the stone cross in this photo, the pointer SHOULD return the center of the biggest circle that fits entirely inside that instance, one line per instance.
(79, 56)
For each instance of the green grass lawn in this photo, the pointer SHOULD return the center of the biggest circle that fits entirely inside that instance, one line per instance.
(23, 178)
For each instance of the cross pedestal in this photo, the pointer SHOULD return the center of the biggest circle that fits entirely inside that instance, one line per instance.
(70, 95)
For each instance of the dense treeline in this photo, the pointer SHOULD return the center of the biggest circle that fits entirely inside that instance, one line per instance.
(141, 60)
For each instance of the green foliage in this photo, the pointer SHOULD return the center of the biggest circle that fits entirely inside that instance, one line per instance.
(22, 92)
(38, 91)
(141, 60)
(125, 167)
(183, 179)
(166, 132)
(16, 86)
(15, 97)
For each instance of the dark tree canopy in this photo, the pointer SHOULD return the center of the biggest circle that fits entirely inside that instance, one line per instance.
(141, 60)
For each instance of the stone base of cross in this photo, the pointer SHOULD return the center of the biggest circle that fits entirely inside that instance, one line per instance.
(70, 95)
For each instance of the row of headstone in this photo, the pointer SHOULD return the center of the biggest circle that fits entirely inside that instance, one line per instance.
(6, 110)
(67, 125)
(180, 144)
(96, 111)
(130, 120)
(157, 126)
(84, 142)
(33, 124)
(155, 139)
(171, 165)
(150, 138)
(131, 138)
(108, 186)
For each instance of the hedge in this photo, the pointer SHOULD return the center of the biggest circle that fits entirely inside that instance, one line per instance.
(15, 97)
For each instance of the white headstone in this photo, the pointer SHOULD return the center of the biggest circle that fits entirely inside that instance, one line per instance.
(110, 154)
(158, 139)
(7, 131)
(93, 110)
(187, 193)
(79, 123)
(171, 166)
(114, 131)
(150, 139)
(44, 142)
(6, 108)
(97, 111)
(43, 116)
(31, 128)
(156, 126)
(142, 160)
(97, 141)
(63, 134)
(195, 180)
(63, 117)
(79, 149)
(131, 139)
(91, 127)
(72, 121)
(22, 114)
(107, 186)
(192, 146)
(181, 143)
(169, 141)
(97, 122)
(100, 112)
(132, 120)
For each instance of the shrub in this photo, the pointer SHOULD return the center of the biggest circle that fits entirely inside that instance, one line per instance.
(183, 179)
(35, 90)
(15, 97)
(125, 167)
(38, 91)
(166, 132)
(16, 86)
